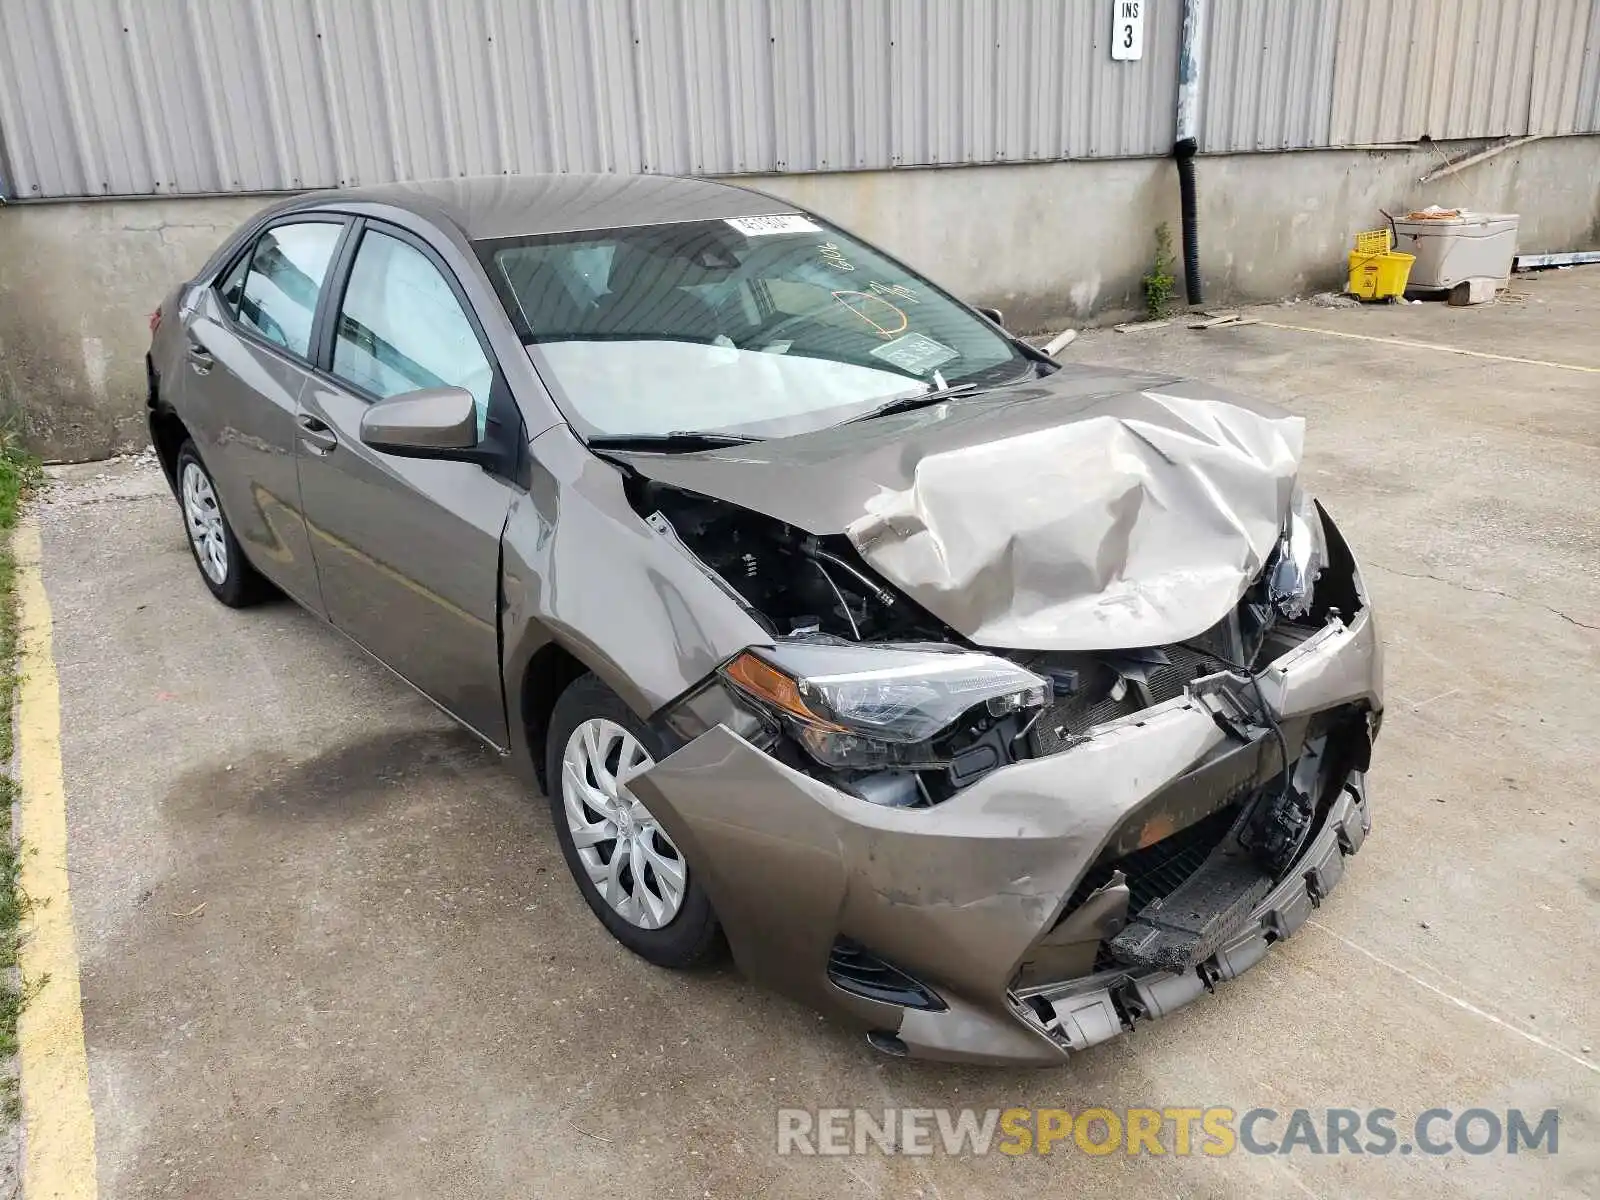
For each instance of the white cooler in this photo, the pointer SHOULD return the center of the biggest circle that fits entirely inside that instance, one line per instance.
(1471, 247)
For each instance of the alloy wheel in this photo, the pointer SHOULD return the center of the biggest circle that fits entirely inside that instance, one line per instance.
(203, 516)
(629, 858)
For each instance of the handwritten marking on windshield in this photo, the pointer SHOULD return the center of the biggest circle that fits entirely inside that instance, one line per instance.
(862, 306)
(898, 290)
(834, 257)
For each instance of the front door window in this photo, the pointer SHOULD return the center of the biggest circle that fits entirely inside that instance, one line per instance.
(401, 328)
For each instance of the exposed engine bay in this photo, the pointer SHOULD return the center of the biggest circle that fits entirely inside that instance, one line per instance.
(1176, 881)
(811, 590)
(1117, 637)
(794, 583)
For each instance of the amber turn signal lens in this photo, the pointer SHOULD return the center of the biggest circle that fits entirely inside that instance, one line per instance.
(765, 682)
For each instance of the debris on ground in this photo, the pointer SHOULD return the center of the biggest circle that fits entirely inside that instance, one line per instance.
(1140, 326)
(1560, 261)
(1060, 342)
(1472, 291)
(1223, 321)
(145, 455)
(1335, 300)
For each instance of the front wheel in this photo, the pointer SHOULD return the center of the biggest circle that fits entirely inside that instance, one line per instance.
(222, 564)
(629, 870)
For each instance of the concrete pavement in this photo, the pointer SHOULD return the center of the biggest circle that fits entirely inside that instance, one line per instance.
(329, 945)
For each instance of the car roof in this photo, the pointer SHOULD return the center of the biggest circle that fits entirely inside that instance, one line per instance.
(502, 206)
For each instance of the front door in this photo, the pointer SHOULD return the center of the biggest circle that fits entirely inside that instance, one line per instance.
(246, 361)
(408, 550)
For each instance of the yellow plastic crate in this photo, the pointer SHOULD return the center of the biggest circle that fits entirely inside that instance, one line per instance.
(1379, 276)
(1375, 241)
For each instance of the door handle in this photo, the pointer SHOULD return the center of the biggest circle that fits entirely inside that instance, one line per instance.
(316, 435)
(199, 357)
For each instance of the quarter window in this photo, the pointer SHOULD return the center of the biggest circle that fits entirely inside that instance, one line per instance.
(287, 269)
(401, 327)
(232, 288)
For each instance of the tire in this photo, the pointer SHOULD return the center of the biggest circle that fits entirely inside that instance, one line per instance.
(648, 923)
(222, 564)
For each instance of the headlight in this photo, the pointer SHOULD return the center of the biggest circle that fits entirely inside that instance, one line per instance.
(870, 707)
(1302, 553)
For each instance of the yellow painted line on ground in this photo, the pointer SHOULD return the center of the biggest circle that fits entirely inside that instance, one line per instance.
(58, 1126)
(1389, 341)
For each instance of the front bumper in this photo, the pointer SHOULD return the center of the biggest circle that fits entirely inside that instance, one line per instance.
(964, 896)
(1085, 1012)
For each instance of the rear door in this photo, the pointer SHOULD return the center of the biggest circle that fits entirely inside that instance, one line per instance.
(247, 358)
(408, 550)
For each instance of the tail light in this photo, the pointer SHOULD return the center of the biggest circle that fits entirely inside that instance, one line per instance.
(155, 320)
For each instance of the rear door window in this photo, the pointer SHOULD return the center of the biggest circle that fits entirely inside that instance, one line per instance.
(278, 298)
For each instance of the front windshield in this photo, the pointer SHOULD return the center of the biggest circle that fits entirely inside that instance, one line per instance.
(761, 326)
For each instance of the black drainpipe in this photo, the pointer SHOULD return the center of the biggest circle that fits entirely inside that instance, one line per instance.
(1188, 144)
(1184, 152)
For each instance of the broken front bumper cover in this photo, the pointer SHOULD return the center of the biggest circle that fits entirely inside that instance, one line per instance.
(961, 897)
(1085, 1012)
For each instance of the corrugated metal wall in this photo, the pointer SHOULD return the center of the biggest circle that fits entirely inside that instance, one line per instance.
(139, 96)
(130, 97)
(1314, 73)
(1269, 71)
(1445, 68)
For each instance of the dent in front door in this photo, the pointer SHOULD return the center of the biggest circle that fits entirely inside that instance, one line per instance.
(408, 554)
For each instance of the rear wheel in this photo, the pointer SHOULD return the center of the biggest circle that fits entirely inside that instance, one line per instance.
(628, 868)
(216, 551)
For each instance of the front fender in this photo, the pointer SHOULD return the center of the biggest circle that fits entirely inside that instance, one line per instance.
(582, 570)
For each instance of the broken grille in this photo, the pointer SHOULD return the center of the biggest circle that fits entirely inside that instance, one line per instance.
(1069, 717)
(1157, 870)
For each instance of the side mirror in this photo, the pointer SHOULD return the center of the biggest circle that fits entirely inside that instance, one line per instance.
(994, 315)
(431, 423)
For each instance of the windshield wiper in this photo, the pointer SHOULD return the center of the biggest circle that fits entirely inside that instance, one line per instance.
(680, 440)
(916, 400)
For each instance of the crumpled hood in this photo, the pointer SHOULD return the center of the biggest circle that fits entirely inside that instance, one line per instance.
(1096, 509)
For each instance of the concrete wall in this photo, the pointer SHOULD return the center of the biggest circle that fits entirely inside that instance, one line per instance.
(1056, 243)
(78, 280)
(1052, 244)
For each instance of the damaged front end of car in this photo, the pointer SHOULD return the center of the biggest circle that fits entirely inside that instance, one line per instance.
(936, 808)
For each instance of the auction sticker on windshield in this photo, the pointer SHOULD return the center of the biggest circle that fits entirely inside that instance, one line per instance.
(915, 353)
(783, 223)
